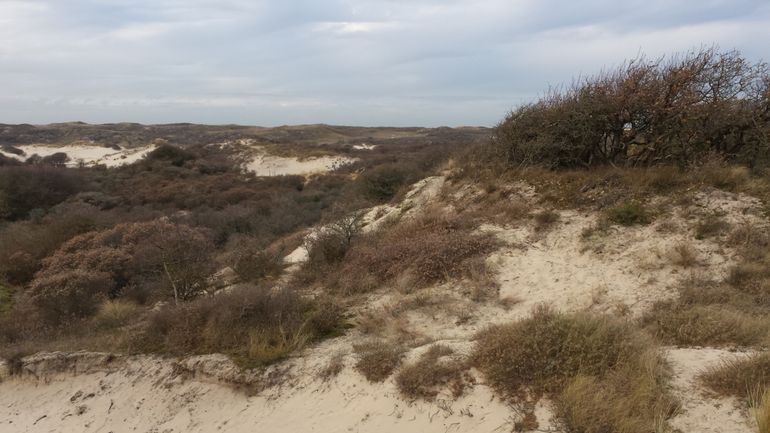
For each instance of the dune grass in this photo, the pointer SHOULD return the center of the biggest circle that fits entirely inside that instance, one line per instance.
(603, 375)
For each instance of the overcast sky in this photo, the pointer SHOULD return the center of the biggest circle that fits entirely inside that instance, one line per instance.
(356, 62)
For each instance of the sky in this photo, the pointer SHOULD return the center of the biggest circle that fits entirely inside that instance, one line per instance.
(345, 62)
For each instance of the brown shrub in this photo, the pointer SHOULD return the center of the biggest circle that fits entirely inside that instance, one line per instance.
(740, 376)
(377, 359)
(70, 294)
(254, 325)
(645, 112)
(252, 262)
(171, 255)
(432, 248)
(431, 373)
(706, 325)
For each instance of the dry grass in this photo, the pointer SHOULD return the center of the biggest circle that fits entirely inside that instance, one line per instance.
(604, 375)
(545, 220)
(116, 313)
(254, 325)
(434, 371)
(333, 368)
(706, 325)
(433, 248)
(759, 401)
(628, 214)
(377, 359)
(711, 225)
(737, 377)
(683, 255)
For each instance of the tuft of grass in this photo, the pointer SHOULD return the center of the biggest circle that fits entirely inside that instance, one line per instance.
(377, 359)
(711, 225)
(254, 325)
(333, 368)
(603, 374)
(6, 298)
(706, 325)
(545, 219)
(547, 349)
(629, 213)
(115, 314)
(759, 401)
(736, 377)
(684, 255)
(432, 372)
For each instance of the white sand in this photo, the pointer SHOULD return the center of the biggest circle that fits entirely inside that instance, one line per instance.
(89, 155)
(364, 146)
(700, 412)
(270, 165)
(146, 395)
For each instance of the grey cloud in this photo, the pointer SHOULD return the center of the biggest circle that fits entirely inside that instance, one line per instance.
(400, 62)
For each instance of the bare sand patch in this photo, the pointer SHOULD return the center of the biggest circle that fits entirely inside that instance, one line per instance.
(148, 394)
(85, 154)
(701, 412)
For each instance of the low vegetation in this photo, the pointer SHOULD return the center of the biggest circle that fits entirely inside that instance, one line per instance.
(429, 249)
(433, 372)
(723, 313)
(740, 376)
(255, 325)
(91, 256)
(377, 359)
(604, 375)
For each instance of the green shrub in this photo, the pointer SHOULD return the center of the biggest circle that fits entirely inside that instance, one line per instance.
(382, 182)
(628, 214)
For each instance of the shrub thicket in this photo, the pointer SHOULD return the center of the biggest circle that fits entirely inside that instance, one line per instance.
(675, 110)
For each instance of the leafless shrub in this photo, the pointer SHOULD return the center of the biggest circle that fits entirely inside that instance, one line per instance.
(721, 96)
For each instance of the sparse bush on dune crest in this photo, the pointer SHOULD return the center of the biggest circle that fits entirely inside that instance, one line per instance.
(603, 374)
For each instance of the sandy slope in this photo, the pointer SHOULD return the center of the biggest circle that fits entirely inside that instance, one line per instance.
(149, 394)
(623, 273)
